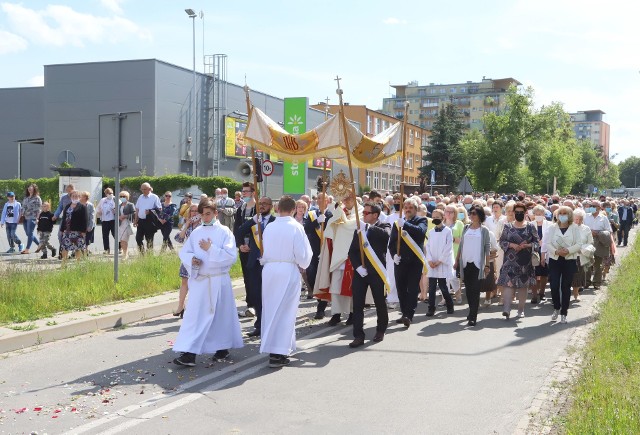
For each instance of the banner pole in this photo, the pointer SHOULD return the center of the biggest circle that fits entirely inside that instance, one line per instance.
(404, 139)
(256, 190)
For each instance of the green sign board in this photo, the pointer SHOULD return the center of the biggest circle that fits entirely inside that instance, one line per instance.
(295, 122)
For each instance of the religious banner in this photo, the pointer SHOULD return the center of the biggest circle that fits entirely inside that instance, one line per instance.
(295, 123)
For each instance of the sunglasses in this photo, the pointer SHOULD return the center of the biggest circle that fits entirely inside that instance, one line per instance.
(167, 196)
(366, 213)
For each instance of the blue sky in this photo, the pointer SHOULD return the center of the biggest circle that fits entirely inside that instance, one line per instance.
(581, 53)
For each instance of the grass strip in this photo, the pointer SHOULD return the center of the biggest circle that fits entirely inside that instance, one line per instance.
(606, 397)
(27, 295)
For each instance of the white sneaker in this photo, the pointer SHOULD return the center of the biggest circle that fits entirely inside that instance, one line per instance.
(563, 319)
(554, 316)
(520, 315)
(250, 312)
(487, 302)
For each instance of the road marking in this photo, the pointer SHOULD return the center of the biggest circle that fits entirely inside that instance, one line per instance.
(307, 342)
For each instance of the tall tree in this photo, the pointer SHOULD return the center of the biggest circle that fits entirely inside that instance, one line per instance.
(444, 153)
(630, 171)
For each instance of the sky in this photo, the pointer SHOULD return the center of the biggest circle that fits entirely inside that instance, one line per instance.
(584, 54)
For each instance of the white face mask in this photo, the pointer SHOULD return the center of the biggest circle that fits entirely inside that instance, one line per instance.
(75, 201)
(110, 196)
(539, 218)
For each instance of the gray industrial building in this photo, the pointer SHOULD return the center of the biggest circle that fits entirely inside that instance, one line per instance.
(68, 119)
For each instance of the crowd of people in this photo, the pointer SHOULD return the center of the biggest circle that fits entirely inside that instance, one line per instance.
(497, 248)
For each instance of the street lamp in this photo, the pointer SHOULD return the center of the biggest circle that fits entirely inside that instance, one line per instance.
(191, 13)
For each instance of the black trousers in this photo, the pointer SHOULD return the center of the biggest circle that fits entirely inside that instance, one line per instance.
(244, 257)
(442, 283)
(145, 231)
(108, 227)
(560, 278)
(359, 287)
(408, 274)
(472, 287)
(623, 233)
(166, 232)
(254, 295)
(312, 273)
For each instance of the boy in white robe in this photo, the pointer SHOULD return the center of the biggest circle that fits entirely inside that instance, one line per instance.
(210, 321)
(439, 253)
(286, 248)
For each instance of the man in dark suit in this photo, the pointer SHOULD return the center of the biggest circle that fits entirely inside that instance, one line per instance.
(245, 213)
(408, 265)
(376, 234)
(625, 212)
(314, 222)
(254, 268)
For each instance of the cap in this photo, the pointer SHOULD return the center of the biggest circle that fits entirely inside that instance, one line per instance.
(11, 194)
(190, 195)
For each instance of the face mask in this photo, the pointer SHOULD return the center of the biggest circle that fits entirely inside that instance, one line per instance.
(425, 202)
(436, 221)
(555, 201)
(461, 216)
(432, 203)
(467, 206)
(224, 197)
(519, 216)
(539, 218)
(563, 218)
(530, 212)
(608, 209)
(110, 196)
(75, 201)
(590, 210)
(396, 207)
(246, 199)
(521, 198)
(208, 224)
(123, 200)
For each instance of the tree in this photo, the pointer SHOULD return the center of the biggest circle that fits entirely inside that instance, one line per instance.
(444, 153)
(629, 171)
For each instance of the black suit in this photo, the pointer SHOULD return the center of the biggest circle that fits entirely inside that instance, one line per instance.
(625, 225)
(409, 271)
(240, 218)
(254, 268)
(378, 237)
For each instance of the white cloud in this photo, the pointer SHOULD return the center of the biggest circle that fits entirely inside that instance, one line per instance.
(61, 25)
(10, 42)
(36, 81)
(393, 21)
(113, 6)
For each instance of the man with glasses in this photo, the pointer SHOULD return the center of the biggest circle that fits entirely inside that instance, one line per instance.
(243, 214)
(249, 230)
(146, 229)
(371, 274)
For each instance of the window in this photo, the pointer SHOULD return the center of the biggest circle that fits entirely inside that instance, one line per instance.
(369, 124)
(463, 90)
(377, 130)
(375, 180)
(443, 90)
(432, 91)
(368, 178)
(397, 181)
(452, 90)
(398, 159)
(410, 161)
(411, 137)
(383, 181)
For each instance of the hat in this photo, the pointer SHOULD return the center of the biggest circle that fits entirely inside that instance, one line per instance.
(10, 194)
(189, 195)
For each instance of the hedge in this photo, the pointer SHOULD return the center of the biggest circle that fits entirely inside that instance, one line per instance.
(49, 186)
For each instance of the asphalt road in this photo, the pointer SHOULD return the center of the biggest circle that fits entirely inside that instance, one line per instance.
(439, 376)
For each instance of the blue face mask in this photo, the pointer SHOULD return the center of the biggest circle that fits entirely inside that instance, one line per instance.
(208, 224)
(432, 203)
(468, 206)
(608, 209)
(246, 199)
(590, 210)
(563, 218)
(461, 216)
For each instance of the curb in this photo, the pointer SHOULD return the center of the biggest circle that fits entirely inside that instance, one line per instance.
(100, 318)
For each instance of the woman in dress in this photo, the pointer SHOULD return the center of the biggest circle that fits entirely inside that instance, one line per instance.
(125, 231)
(30, 211)
(74, 228)
(166, 219)
(189, 225)
(518, 240)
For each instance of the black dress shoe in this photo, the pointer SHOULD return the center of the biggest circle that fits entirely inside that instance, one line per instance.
(406, 322)
(357, 342)
(319, 315)
(400, 320)
(335, 319)
(431, 311)
(186, 359)
(254, 333)
(349, 321)
(471, 323)
(450, 310)
(220, 355)
(378, 337)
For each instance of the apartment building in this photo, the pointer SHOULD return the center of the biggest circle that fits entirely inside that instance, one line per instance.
(386, 177)
(588, 124)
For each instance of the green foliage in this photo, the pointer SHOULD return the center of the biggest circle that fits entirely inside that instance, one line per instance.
(48, 188)
(444, 154)
(630, 171)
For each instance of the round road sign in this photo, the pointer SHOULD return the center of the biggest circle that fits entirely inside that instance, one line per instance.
(267, 168)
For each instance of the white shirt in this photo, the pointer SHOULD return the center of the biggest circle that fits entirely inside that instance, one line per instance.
(473, 250)
(492, 223)
(440, 248)
(598, 223)
(145, 203)
(107, 209)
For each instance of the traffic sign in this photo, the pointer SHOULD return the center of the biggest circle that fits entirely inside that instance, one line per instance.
(267, 168)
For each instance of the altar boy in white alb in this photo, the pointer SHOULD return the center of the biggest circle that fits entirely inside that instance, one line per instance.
(210, 320)
(286, 248)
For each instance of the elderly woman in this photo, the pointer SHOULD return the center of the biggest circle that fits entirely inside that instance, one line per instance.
(301, 210)
(585, 257)
(518, 241)
(456, 226)
(74, 227)
(563, 244)
(125, 231)
(473, 259)
(542, 226)
(91, 219)
(106, 211)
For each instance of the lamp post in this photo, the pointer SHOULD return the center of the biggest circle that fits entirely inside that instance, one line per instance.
(191, 13)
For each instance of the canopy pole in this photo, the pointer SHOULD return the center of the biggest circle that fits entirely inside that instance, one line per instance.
(256, 190)
(348, 151)
(404, 140)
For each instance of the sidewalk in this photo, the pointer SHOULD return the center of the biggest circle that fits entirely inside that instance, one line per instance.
(104, 317)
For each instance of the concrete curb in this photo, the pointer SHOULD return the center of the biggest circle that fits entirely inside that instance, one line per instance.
(100, 318)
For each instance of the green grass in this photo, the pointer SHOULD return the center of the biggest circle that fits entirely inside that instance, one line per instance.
(28, 295)
(606, 397)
